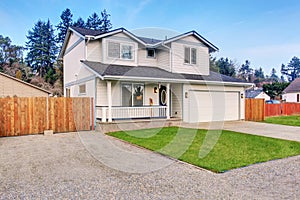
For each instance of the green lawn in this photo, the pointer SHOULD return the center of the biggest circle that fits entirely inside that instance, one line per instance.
(231, 149)
(284, 120)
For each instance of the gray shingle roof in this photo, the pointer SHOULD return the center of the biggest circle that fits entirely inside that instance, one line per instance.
(293, 87)
(153, 72)
(253, 93)
(84, 31)
(149, 40)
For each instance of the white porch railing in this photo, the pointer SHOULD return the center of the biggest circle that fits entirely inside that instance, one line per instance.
(132, 112)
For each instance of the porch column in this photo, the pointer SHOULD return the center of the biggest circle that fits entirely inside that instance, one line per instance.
(168, 101)
(109, 101)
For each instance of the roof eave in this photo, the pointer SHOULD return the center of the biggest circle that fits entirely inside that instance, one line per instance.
(172, 80)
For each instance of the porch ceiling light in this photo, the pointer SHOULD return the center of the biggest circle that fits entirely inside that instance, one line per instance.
(155, 89)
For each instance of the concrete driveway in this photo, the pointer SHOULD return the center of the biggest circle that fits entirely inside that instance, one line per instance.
(255, 128)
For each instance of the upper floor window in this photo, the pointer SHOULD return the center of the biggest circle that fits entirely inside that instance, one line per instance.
(190, 55)
(120, 50)
(150, 53)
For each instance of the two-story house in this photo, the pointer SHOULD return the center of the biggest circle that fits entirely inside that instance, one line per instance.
(135, 77)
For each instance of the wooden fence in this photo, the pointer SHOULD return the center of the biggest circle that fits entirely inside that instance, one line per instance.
(257, 110)
(33, 115)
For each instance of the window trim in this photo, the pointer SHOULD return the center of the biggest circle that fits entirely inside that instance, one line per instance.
(79, 92)
(154, 53)
(132, 92)
(120, 49)
(190, 55)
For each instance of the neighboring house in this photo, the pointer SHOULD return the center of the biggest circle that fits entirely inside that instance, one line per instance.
(10, 86)
(292, 92)
(136, 77)
(257, 94)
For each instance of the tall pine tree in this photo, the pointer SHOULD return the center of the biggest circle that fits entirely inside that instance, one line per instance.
(62, 27)
(94, 22)
(42, 49)
(79, 23)
(106, 25)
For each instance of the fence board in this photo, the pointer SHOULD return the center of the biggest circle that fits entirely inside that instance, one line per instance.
(33, 115)
(254, 109)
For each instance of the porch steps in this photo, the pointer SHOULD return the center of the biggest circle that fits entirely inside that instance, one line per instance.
(136, 124)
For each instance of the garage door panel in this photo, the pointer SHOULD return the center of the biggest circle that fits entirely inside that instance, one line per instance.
(213, 106)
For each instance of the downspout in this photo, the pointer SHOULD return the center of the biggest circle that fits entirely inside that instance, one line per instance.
(170, 55)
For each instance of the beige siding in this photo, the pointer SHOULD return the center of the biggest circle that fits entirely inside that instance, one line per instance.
(102, 93)
(187, 88)
(202, 63)
(11, 87)
(94, 51)
(72, 40)
(143, 60)
(163, 59)
(176, 100)
(90, 89)
(149, 93)
(72, 62)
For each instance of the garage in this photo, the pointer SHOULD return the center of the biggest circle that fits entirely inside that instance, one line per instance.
(206, 106)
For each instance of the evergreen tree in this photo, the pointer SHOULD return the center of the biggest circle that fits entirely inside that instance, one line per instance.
(41, 47)
(259, 74)
(245, 72)
(62, 27)
(94, 22)
(292, 69)
(273, 76)
(79, 23)
(106, 25)
(226, 67)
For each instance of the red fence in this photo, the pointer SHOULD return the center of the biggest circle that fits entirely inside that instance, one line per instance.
(257, 110)
(282, 109)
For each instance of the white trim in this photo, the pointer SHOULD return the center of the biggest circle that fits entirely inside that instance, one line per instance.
(167, 80)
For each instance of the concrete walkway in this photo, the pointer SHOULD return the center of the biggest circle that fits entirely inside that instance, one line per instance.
(254, 128)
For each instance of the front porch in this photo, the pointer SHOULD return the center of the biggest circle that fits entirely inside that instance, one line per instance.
(116, 100)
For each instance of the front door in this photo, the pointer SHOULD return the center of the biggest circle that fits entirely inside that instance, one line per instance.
(162, 95)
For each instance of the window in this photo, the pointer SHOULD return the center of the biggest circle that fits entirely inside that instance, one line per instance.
(190, 55)
(132, 94)
(150, 53)
(119, 50)
(82, 89)
(113, 50)
(126, 52)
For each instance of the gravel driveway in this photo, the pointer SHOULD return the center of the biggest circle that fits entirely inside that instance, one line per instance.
(59, 167)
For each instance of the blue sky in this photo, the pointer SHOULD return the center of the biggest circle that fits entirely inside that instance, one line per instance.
(266, 32)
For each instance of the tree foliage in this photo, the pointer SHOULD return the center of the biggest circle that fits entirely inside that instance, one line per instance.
(79, 23)
(223, 66)
(106, 24)
(292, 69)
(64, 24)
(94, 22)
(41, 46)
(246, 72)
(275, 89)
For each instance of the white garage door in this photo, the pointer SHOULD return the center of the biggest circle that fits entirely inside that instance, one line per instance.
(213, 106)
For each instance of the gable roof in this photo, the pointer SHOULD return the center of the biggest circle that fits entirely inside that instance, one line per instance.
(293, 87)
(253, 93)
(25, 83)
(149, 42)
(112, 71)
